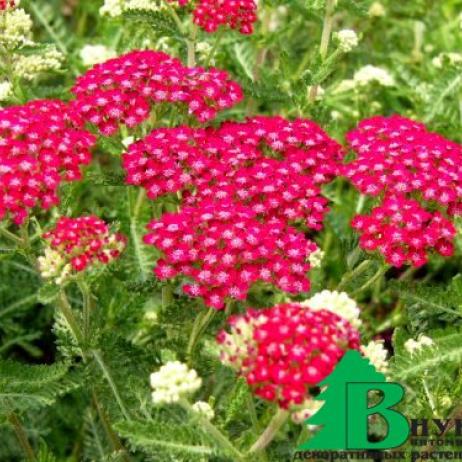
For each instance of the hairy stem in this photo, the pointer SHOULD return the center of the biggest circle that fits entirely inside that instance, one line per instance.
(270, 432)
(86, 297)
(381, 271)
(66, 310)
(139, 254)
(214, 432)
(107, 375)
(200, 325)
(361, 268)
(114, 440)
(21, 436)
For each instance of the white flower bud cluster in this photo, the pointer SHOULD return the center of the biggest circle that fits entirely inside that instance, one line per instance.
(235, 345)
(347, 40)
(376, 353)
(366, 76)
(369, 74)
(315, 258)
(114, 8)
(53, 266)
(305, 411)
(95, 54)
(15, 28)
(29, 67)
(414, 346)
(173, 381)
(6, 90)
(336, 302)
(203, 408)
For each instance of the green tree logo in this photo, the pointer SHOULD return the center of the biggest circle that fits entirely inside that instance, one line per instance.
(344, 416)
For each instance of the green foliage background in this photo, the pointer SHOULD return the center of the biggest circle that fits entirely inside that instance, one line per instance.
(65, 405)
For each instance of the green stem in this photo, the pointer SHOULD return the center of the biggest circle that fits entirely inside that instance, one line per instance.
(107, 375)
(219, 36)
(11, 237)
(87, 306)
(199, 326)
(361, 268)
(167, 296)
(66, 310)
(270, 432)
(214, 432)
(325, 40)
(382, 270)
(140, 257)
(114, 440)
(191, 45)
(22, 436)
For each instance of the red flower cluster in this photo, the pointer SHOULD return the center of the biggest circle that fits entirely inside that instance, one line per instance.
(285, 350)
(399, 156)
(410, 167)
(268, 164)
(40, 147)
(404, 232)
(121, 90)
(85, 240)
(224, 250)
(209, 15)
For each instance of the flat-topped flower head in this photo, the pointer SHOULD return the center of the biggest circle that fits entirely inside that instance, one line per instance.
(223, 250)
(40, 147)
(210, 15)
(81, 243)
(286, 350)
(399, 156)
(269, 164)
(404, 232)
(122, 90)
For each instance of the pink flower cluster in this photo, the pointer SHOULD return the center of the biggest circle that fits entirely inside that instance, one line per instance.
(285, 350)
(404, 232)
(85, 240)
(399, 156)
(40, 148)
(414, 171)
(224, 249)
(243, 186)
(268, 164)
(209, 15)
(121, 90)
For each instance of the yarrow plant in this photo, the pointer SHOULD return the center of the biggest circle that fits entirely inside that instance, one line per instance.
(414, 171)
(270, 165)
(121, 91)
(79, 243)
(286, 350)
(40, 147)
(224, 249)
(404, 232)
(209, 15)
